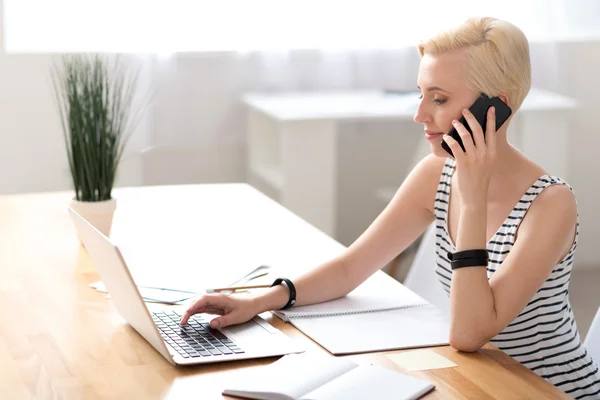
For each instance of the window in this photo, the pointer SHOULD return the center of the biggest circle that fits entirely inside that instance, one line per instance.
(158, 26)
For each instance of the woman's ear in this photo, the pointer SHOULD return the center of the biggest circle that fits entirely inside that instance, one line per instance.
(504, 98)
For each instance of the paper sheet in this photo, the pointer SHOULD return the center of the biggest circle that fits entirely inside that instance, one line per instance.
(420, 360)
(172, 295)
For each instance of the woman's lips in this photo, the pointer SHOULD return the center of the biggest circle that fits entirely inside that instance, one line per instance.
(429, 135)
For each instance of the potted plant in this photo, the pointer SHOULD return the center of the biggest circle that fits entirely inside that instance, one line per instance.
(94, 96)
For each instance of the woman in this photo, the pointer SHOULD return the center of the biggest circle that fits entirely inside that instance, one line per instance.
(489, 198)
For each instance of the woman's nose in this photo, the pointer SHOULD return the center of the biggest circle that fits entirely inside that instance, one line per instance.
(422, 116)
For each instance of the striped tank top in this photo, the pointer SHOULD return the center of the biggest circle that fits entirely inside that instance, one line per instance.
(544, 336)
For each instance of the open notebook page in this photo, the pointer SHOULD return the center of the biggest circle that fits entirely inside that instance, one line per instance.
(395, 329)
(291, 376)
(371, 382)
(379, 292)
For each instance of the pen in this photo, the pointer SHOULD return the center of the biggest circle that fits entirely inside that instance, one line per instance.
(234, 288)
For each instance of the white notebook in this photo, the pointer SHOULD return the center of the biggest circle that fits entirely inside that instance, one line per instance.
(320, 377)
(381, 314)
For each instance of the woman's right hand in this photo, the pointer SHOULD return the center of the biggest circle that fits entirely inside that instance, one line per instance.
(233, 309)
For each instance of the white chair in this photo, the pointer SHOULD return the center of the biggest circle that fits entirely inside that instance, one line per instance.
(421, 277)
(592, 339)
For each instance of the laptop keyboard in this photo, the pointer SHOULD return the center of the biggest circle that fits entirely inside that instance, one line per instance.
(195, 339)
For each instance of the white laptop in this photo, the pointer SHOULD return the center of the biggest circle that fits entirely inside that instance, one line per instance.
(195, 343)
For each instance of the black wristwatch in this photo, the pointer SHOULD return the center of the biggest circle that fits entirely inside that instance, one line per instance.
(292, 289)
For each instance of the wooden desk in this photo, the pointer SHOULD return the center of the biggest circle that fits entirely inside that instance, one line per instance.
(61, 339)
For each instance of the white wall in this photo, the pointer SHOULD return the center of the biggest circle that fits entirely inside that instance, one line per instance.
(31, 147)
(578, 70)
(195, 131)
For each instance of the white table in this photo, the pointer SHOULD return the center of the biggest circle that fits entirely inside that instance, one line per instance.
(211, 235)
(293, 137)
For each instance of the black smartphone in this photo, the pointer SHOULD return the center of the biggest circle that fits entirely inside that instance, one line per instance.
(479, 110)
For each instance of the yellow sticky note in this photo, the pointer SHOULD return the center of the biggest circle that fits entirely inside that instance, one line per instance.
(419, 360)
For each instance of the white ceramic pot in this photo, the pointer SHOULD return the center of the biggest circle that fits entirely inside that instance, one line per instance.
(98, 213)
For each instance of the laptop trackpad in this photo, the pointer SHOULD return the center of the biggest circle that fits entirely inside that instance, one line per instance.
(249, 332)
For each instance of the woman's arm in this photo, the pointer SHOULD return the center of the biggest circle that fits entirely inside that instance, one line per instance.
(480, 309)
(404, 219)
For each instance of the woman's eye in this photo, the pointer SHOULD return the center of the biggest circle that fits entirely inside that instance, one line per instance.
(439, 102)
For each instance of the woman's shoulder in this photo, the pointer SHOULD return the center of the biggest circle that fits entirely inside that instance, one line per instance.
(433, 165)
(534, 171)
(425, 179)
(429, 171)
(551, 193)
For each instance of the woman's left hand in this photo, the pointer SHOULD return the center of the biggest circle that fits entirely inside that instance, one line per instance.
(474, 166)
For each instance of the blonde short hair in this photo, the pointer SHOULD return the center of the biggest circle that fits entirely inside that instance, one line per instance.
(497, 55)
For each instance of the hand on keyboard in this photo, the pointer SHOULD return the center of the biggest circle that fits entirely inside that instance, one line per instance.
(234, 309)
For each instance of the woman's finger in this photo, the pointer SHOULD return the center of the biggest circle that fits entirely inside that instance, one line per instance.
(455, 147)
(477, 129)
(464, 134)
(224, 320)
(214, 310)
(195, 308)
(206, 303)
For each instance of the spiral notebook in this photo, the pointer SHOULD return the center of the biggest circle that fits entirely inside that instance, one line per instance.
(381, 314)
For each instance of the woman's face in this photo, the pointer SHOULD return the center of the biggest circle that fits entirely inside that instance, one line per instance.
(444, 95)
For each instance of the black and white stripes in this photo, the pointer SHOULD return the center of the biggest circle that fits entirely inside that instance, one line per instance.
(544, 336)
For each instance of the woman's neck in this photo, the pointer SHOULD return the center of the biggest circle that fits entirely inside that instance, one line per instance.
(509, 168)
